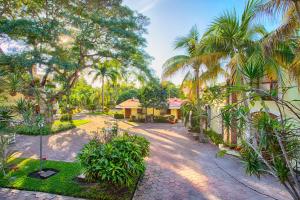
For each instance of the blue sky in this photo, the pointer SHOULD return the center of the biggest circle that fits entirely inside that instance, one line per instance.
(172, 18)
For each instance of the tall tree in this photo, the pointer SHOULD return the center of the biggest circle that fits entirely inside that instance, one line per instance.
(236, 38)
(62, 38)
(107, 70)
(192, 61)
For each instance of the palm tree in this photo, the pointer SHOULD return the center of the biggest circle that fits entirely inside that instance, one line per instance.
(107, 70)
(282, 43)
(234, 36)
(291, 11)
(193, 60)
(237, 39)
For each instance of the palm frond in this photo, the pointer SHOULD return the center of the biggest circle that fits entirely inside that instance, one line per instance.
(174, 65)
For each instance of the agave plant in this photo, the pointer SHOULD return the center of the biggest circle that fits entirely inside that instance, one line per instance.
(6, 115)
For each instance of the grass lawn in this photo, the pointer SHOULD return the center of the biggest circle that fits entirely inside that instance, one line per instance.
(58, 126)
(62, 183)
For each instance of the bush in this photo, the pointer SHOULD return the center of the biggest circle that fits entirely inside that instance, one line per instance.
(161, 119)
(119, 161)
(118, 116)
(66, 117)
(142, 142)
(62, 126)
(214, 137)
(32, 130)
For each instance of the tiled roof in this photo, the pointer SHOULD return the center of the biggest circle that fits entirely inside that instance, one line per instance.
(174, 103)
(130, 103)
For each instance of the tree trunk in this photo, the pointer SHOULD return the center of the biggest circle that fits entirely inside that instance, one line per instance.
(102, 93)
(197, 83)
(146, 116)
(233, 129)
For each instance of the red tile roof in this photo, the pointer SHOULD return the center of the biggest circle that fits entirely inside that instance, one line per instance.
(174, 103)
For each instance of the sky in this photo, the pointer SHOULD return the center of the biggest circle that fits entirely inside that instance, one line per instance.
(170, 19)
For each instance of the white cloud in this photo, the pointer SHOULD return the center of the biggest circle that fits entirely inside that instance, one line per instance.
(141, 5)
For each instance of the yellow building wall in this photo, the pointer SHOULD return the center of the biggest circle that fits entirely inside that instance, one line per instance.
(174, 113)
(150, 112)
(134, 112)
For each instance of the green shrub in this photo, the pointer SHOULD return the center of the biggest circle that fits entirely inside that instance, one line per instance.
(118, 116)
(62, 126)
(161, 119)
(214, 137)
(143, 143)
(171, 117)
(32, 130)
(119, 162)
(66, 117)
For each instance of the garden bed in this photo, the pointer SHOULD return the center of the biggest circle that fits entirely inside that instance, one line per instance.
(58, 126)
(62, 183)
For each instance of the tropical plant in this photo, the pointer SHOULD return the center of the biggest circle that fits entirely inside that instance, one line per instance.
(127, 94)
(153, 96)
(57, 51)
(282, 43)
(106, 71)
(273, 147)
(192, 61)
(6, 117)
(119, 161)
(26, 109)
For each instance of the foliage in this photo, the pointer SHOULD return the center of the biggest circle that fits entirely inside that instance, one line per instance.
(214, 136)
(272, 146)
(119, 161)
(66, 117)
(26, 109)
(32, 130)
(140, 141)
(127, 94)
(57, 126)
(62, 183)
(192, 113)
(118, 116)
(6, 116)
(153, 96)
(192, 63)
(173, 91)
(61, 39)
(109, 70)
(164, 119)
(5, 152)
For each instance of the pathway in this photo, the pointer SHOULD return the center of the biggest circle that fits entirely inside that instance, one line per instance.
(178, 167)
(11, 194)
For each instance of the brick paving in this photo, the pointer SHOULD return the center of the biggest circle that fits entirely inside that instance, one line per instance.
(11, 194)
(178, 168)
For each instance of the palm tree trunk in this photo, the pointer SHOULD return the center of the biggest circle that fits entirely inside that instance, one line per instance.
(197, 83)
(102, 93)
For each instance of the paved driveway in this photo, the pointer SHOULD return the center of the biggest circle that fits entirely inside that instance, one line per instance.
(178, 167)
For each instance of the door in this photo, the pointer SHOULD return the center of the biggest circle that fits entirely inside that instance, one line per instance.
(179, 113)
(127, 112)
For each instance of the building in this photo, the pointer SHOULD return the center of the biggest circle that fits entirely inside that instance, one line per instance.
(291, 95)
(132, 108)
